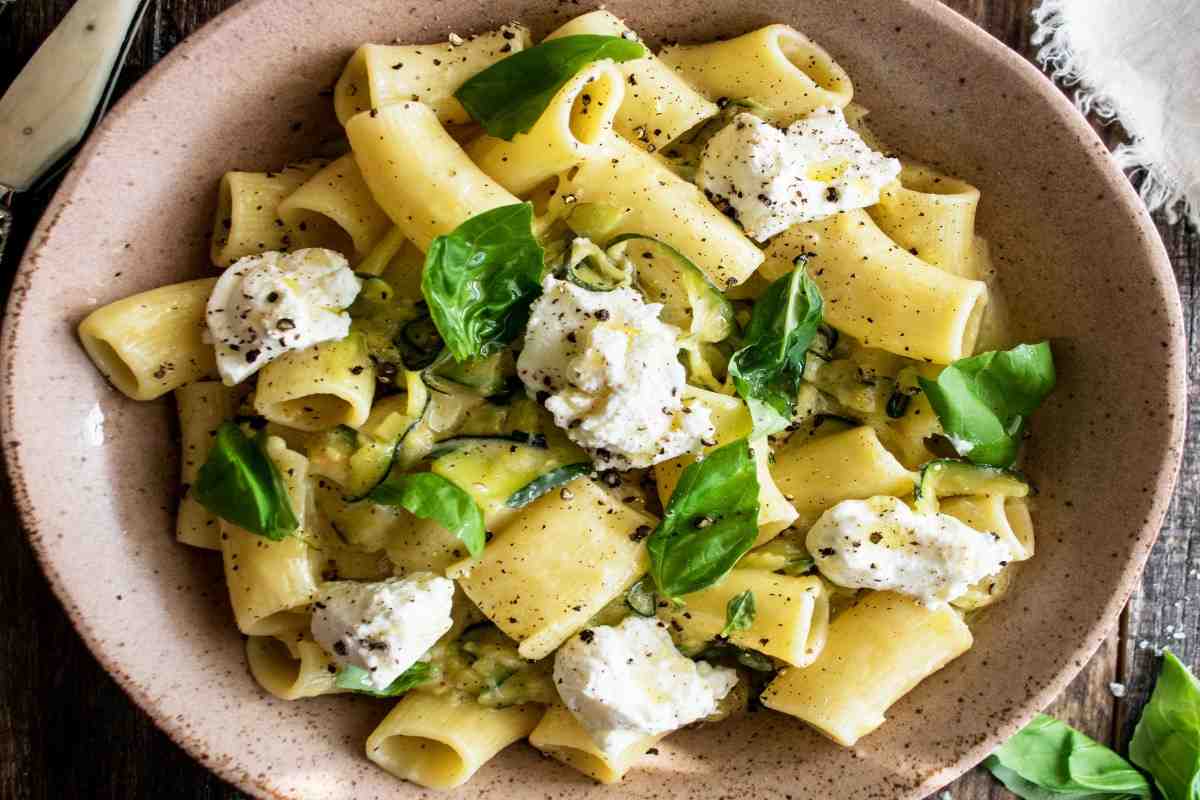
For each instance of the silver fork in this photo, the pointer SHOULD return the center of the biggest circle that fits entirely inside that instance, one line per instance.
(60, 95)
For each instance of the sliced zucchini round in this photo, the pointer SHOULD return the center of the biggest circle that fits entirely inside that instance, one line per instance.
(485, 377)
(946, 477)
(595, 270)
(546, 482)
(665, 275)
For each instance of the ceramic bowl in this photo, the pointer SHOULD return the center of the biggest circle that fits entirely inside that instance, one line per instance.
(95, 474)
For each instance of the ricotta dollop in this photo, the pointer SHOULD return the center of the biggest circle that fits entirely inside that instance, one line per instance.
(771, 179)
(268, 304)
(383, 627)
(883, 544)
(627, 682)
(607, 368)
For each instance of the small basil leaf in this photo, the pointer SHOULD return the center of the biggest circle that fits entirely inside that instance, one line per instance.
(481, 278)
(240, 484)
(357, 679)
(983, 401)
(544, 483)
(641, 598)
(1166, 742)
(508, 97)
(710, 521)
(739, 613)
(767, 370)
(1048, 759)
(430, 496)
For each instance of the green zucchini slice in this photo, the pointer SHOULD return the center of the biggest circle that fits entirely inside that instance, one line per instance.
(485, 377)
(546, 482)
(596, 270)
(945, 477)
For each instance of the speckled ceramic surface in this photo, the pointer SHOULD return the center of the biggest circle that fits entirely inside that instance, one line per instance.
(95, 475)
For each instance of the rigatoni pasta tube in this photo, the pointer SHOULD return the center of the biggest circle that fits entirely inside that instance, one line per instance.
(381, 75)
(1006, 517)
(658, 106)
(440, 741)
(932, 216)
(291, 666)
(418, 174)
(560, 736)
(658, 203)
(790, 623)
(269, 582)
(339, 192)
(877, 652)
(566, 556)
(818, 474)
(321, 387)
(777, 67)
(202, 406)
(247, 221)
(881, 294)
(573, 128)
(731, 419)
(152, 343)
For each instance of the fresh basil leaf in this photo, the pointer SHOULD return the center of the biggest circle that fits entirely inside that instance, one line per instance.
(983, 401)
(641, 598)
(431, 496)
(544, 483)
(1166, 742)
(1049, 759)
(357, 679)
(508, 97)
(240, 484)
(767, 370)
(710, 521)
(481, 278)
(739, 613)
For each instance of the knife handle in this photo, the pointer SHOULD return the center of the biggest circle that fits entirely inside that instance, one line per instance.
(52, 103)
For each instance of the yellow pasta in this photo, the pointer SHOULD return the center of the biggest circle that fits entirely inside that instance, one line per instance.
(418, 174)
(658, 106)
(440, 741)
(540, 594)
(881, 294)
(573, 128)
(818, 474)
(877, 652)
(321, 387)
(152, 343)
(291, 666)
(203, 406)
(1006, 517)
(932, 215)
(381, 75)
(658, 203)
(560, 736)
(777, 67)
(339, 193)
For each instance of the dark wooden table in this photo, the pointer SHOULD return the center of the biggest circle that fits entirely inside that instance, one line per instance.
(67, 731)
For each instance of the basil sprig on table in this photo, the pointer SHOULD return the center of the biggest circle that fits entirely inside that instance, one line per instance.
(1048, 759)
(430, 496)
(767, 370)
(481, 278)
(240, 484)
(357, 679)
(710, 521)
(1166, 742)
(508, 97)
(984, 401)
(739, 613)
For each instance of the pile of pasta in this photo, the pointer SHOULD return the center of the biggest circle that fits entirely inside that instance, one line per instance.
(905, 285)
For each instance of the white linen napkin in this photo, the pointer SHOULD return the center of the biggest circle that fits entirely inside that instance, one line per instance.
(1136, 61)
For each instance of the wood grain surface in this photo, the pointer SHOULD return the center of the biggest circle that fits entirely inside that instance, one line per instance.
(67, 731)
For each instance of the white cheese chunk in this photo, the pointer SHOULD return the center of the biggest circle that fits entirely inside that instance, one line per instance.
(607, 368)
(268, 304)
(385, 627)
(627, 682)
(770, 179)
(883, 544)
